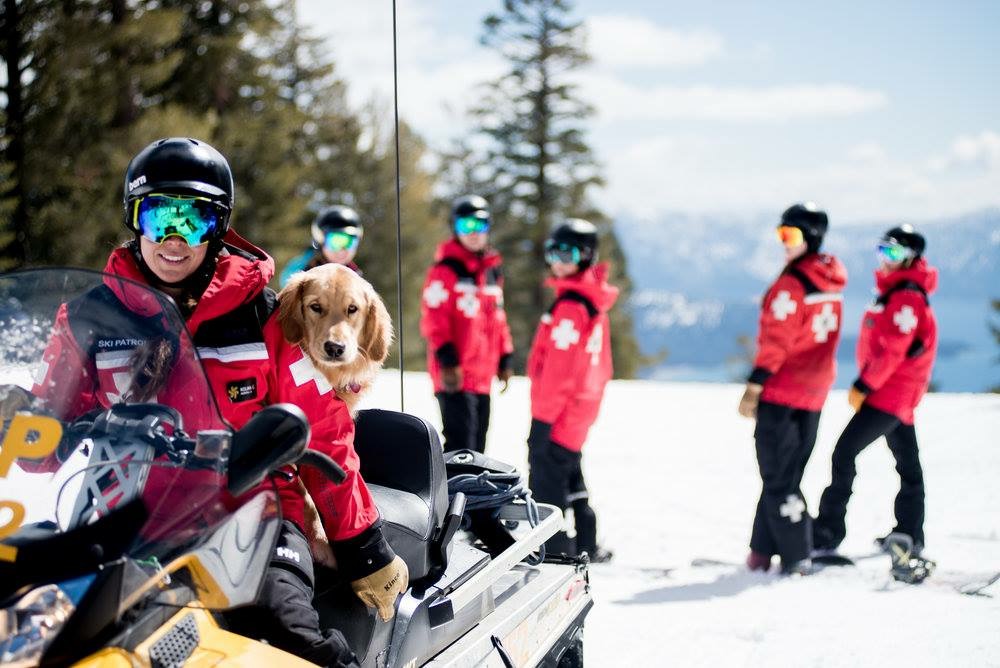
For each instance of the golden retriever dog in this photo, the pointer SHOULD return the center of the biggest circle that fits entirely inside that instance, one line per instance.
(342, 325)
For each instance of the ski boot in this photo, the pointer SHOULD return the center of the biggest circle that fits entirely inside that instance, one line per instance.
(906, 566)
(758, 561)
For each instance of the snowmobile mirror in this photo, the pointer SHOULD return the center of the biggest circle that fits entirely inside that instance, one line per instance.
(274, 437)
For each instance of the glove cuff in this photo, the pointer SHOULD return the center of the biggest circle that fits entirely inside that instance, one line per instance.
(447, 355)
(363, 554)
(759, 375)
(862, 386)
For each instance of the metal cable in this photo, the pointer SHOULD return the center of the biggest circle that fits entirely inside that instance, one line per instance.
(399, 226)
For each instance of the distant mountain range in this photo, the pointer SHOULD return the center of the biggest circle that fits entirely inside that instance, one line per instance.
(698, 281)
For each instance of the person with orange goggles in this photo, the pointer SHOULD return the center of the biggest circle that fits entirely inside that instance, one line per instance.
(793, 372)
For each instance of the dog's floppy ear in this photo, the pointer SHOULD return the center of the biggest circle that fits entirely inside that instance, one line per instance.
(290, 315)
(377, 333)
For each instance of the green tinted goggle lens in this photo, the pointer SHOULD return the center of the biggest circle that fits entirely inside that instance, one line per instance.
(894, 252)
(472, 225)
(194, 219)
(563, 254)
(340, 241)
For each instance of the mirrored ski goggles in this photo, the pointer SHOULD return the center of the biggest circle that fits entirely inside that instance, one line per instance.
(894, 252)
(562, 253)
(194, 219)
(790, 236)
(472, 225)
(339, 240)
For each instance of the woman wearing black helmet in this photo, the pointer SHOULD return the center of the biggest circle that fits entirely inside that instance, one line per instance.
(569, 367)
(793, 372)
(895, 354)
(336, 235)
(178, 198)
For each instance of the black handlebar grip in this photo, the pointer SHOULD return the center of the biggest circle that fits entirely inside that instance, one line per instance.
(324, 464)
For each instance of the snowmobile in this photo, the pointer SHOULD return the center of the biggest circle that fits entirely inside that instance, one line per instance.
(128, 532)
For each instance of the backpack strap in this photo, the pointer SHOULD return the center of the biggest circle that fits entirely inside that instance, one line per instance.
(457, 266)
(883, 298)
(574, 296)
(801, 277)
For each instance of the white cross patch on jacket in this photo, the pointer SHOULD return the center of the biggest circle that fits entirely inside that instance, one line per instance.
(565, 335)
(783, 305)
(435, 294)
(304, 371)
(905, 319)
(823, 323)
(468, 303)
(595, 343)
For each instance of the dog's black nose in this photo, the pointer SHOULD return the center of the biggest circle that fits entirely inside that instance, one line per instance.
(333, 349)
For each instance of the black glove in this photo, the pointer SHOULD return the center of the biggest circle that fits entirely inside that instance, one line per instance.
(540, 434)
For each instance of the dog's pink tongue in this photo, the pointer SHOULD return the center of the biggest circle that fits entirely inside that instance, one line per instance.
(354, 387)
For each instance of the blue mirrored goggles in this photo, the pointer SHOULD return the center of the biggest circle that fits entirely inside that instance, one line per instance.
(894, 252)
(471, 225)
(339, 240)
(196, 220)
(562, 253)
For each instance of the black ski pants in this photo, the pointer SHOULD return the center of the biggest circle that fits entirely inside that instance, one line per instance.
(555, 476)
(864, 428)
(284, 615)
(466, 418)
(785, 437)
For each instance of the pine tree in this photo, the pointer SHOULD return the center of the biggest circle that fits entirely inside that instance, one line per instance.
(537, 167)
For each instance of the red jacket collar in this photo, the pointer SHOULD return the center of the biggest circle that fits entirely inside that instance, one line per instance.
(474, 262)
(919, 272)
(592, 283)
(237, 280)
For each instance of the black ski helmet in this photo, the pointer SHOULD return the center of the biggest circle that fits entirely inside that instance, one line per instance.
(180, 166)
(470, 206)
(578, 233)
(907, 237)
(336, 217)
(810, 219)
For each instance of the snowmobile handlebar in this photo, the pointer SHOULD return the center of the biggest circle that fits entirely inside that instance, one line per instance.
(324, 464)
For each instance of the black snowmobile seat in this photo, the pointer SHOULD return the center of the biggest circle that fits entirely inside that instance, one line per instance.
(403, 464)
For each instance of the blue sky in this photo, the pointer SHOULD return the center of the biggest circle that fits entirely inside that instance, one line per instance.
(876, 110)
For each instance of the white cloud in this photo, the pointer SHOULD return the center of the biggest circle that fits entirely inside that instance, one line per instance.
(621, 101)
(692, 174)
(980, 151)
(619, 41)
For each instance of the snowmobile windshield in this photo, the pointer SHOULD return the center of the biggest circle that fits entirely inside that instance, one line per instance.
(113, 447)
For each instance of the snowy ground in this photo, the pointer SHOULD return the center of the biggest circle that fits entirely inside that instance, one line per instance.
(673, 476)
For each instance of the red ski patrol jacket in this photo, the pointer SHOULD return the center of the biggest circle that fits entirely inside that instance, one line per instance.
(898, 342)
(246, 359)
(462, 316)
(800, 321)
(570, 359)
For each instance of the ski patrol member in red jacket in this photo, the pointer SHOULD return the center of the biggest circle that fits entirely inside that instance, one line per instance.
(178, 197)
(569, 365)
(795, 367)
(895, 354)
(465, 325)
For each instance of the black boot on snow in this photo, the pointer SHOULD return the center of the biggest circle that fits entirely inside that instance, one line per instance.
(906, 566)
(916, 550)
(800, 567)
